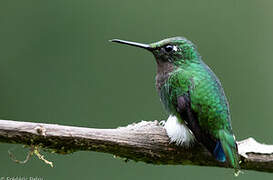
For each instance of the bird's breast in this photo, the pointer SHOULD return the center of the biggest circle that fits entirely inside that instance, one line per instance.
(161, 80)
(163, 72)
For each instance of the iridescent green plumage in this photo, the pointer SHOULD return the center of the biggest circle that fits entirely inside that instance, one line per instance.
(190, 91)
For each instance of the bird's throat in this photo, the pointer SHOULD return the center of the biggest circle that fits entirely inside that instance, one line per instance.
(163, 72)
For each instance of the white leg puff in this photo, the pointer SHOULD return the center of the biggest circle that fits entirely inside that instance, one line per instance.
(178, 132)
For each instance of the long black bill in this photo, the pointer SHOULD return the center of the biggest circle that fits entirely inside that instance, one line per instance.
(144, 46)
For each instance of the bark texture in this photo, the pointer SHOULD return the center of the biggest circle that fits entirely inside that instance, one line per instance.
(143, 141)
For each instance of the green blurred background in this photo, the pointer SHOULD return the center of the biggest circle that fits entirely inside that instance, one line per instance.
(57, 66)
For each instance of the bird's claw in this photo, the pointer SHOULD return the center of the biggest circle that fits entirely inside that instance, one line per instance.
(162, 123)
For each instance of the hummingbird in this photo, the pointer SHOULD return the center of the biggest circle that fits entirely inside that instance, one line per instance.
(193, 97)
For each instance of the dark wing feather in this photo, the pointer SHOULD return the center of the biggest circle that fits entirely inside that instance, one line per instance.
(191, 120)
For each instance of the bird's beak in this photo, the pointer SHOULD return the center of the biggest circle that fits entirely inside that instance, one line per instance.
(140, 45)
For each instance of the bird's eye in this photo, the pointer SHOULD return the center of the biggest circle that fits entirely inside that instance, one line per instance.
(168, 48)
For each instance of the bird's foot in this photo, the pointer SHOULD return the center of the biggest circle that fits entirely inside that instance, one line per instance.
(162, 123)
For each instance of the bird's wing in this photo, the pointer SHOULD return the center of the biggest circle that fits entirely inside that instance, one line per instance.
(222, 148)
(221, 142)
(179, 90)
(191, 120)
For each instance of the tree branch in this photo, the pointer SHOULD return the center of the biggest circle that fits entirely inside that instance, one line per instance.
(143, 141)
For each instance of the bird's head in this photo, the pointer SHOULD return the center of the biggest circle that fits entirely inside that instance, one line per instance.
(176, 51)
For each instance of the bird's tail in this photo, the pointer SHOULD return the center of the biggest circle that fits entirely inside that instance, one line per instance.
(229, 146)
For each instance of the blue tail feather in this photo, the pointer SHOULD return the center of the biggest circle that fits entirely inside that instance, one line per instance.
(218, 152)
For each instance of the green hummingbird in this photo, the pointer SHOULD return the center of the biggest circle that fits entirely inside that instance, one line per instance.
(194, 98)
